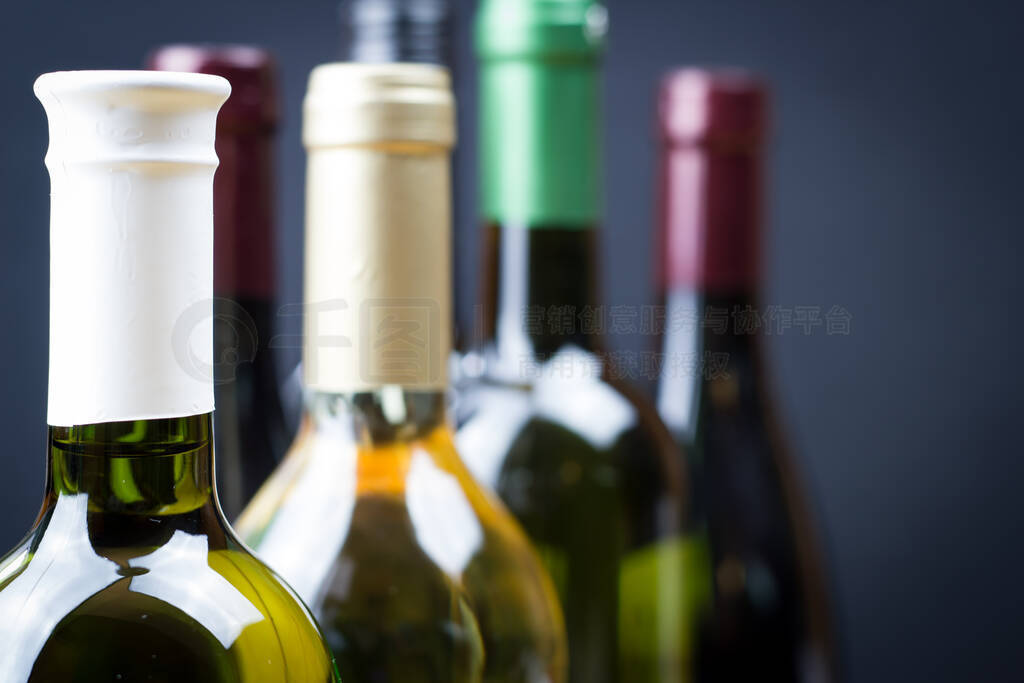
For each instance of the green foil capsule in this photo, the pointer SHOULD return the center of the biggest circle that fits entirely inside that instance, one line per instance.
(539, 90)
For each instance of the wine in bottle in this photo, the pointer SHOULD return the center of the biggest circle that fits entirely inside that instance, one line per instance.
(414, 571)
(580, 459)
(250, 430)
(131, 572)
(770, 618)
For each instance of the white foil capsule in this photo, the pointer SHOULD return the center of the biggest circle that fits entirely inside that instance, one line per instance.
(131, 162)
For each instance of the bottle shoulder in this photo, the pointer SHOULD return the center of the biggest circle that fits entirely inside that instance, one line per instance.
(71, 605)
(403, 529)
(420, 488)
(575, 405)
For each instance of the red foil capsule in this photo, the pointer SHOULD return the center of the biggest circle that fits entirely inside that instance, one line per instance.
(243, 210)
(712, 126)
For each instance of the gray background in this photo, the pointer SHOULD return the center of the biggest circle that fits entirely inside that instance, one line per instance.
(895, 193)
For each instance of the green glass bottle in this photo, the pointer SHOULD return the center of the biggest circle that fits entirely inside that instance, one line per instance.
(131, 572)
(582, 461)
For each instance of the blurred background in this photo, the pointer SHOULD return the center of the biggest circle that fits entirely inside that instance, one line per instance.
(893, 193)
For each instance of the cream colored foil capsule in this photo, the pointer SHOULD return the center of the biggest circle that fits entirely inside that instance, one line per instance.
(378, 226)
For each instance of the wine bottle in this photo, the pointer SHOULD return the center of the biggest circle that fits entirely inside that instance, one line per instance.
(250, 429)
(414, 571)
(580, 459)
(770, 618)
(131, 571)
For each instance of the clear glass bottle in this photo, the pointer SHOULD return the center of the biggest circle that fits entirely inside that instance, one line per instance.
(131, 571)
(415, 572)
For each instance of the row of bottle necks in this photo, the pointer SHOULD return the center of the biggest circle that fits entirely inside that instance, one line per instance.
(674, 539)
(563, 530)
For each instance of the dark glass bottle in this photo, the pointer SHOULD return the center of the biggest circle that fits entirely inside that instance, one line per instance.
(250, 426)
(580, 459)
(770, 618)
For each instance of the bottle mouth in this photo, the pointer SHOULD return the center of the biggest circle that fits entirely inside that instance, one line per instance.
(131, 117)
(158, 89)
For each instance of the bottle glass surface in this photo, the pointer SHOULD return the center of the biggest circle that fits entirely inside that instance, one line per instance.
(132, 573)
(417, 573)
(583, 462)
(770, 607)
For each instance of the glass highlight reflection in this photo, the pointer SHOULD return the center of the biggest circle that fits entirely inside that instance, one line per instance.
(131, 572)
(38, 598)
(323, 489)
(186, 555)
(418, 574)
(445, 524)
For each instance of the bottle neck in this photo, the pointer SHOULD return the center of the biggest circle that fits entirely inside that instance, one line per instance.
(148, 472)
(244, 198)
(378, 418)
(131, 254)
(711, 218)
(540, 158)
(540, 153)
(539, 291)
(378, 275)
(709, 242)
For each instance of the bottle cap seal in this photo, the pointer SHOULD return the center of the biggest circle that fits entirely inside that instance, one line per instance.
(539, 29)
(539, 111)
(727, 106)
(131, 162)
(362, 104)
